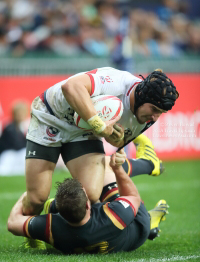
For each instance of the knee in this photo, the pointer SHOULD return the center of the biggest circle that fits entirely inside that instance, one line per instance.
(34, 203)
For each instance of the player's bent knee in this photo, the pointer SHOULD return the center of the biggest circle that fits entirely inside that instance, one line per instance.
(34, 204)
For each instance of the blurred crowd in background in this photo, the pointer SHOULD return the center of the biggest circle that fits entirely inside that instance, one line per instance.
(122, 31)
(98, 27)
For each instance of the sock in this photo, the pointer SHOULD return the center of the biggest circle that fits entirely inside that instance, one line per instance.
(135, 167)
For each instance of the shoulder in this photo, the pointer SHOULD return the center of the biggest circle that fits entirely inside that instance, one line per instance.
(119, 212)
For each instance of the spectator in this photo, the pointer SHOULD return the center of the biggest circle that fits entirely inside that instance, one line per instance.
(70, 27)
(14, 134)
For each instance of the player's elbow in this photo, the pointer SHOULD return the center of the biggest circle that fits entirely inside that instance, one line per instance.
(137, 203)
(12, 227)
(69, 88)
(66, 88)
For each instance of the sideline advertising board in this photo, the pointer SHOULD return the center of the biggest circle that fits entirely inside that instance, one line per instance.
(176, 135)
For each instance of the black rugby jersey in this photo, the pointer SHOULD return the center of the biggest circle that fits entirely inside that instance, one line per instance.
(112, 227)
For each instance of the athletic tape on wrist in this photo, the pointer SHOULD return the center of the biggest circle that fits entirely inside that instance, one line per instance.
(97, 124)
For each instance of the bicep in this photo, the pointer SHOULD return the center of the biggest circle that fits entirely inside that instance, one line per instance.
(79, 80)
(134, 202)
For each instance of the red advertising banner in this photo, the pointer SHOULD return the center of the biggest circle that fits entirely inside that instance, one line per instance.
(176, 135)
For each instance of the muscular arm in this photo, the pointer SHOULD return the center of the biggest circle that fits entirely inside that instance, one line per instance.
(77, 93)
(115, 143)
(16, 219)
(127, 188)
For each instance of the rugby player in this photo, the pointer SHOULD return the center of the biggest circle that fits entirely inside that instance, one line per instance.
(52, 130)
(72, 225)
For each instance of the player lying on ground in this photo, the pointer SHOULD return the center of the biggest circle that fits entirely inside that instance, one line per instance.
(119, 224)
(52, 130)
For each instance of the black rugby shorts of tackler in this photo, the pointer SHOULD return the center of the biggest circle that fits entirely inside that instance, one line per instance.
(68, 151)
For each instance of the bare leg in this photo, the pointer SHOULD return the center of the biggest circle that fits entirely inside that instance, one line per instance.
(89, 169)
(109, 174)
(38, 184)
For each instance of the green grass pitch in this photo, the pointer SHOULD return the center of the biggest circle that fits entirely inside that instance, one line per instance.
(179, 240)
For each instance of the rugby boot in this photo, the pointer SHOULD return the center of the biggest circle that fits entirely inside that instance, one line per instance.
(47, 205)
(156, 216)
(33, 243)
(145, 150)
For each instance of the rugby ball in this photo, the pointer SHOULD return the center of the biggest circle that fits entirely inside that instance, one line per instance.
(107, 107)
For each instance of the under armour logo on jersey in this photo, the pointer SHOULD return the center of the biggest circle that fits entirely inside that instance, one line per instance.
(113, 186)
(32, 153)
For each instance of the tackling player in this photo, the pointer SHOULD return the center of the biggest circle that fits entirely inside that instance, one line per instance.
(119, 224)
(52, 130)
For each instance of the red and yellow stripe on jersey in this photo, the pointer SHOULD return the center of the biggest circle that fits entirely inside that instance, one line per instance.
(110, 193)
(48, 231)
(117, 221)
(25, 227)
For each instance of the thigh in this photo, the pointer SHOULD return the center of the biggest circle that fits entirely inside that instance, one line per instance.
(38, 181)
(109, 174)
(89, 170)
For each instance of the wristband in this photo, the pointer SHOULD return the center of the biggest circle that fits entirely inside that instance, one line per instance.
(96, 123)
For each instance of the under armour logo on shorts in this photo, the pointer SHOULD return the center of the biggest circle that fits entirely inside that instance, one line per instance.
(32, 153)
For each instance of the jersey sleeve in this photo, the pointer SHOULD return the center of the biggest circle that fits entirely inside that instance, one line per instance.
(110, 81)
(121, 212)
(39, 227)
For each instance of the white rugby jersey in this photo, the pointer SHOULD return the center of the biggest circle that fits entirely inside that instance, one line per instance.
(105, 81)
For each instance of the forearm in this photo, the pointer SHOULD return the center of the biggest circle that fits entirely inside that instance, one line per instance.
(16, 219)
(115, 143)
(125, 184)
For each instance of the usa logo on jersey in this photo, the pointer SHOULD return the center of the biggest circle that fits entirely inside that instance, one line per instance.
(52, 131)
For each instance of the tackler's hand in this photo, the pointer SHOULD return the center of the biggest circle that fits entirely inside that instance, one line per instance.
(117, 159)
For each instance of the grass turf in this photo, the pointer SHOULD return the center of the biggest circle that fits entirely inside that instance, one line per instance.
(180, 236)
